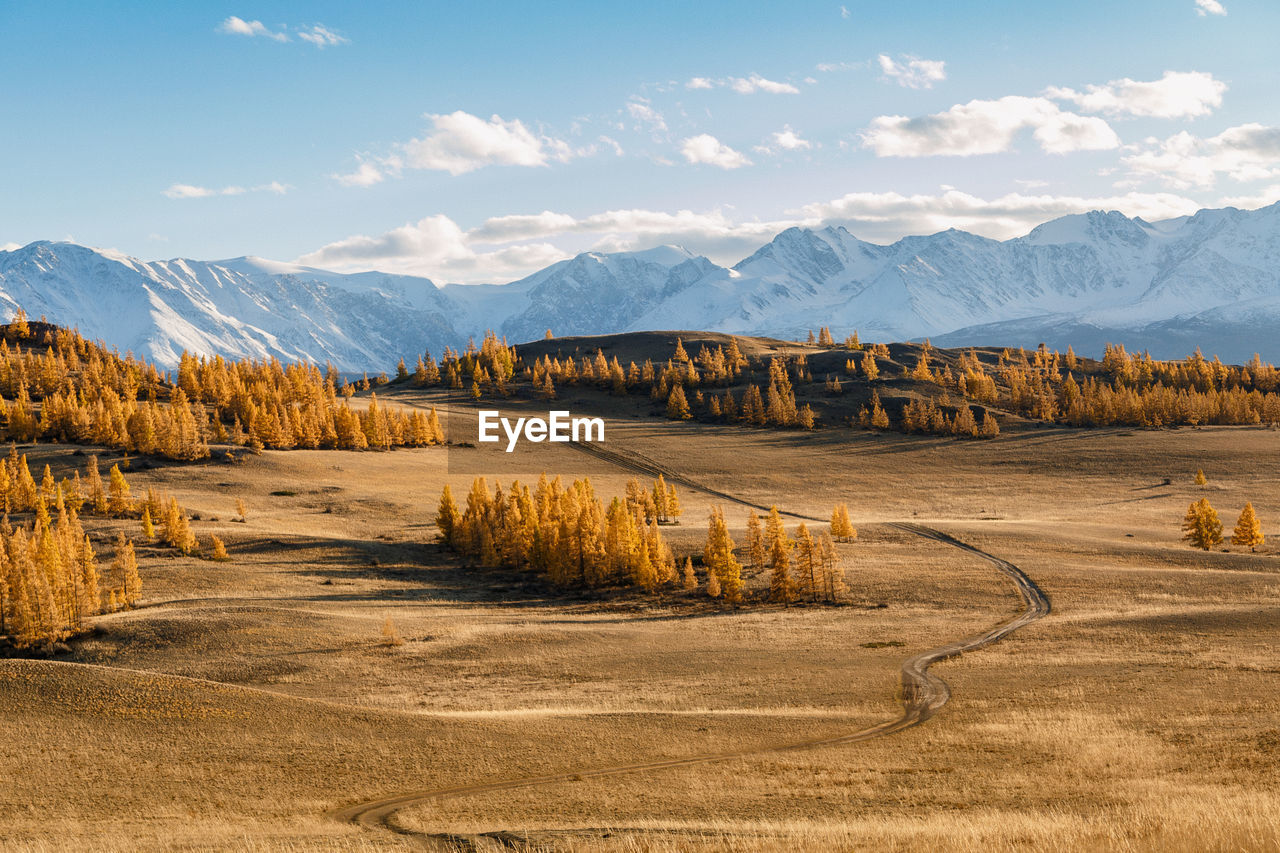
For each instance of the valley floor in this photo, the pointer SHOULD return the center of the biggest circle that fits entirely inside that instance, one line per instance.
(245, 701)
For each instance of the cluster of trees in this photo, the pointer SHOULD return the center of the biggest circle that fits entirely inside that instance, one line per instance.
(1121, 390)
(774, 407)
(1203, 529)
(803, 567)
(269, 404)
(683, 382)
(55, 385)
(571, 536)
(1136, 390)
(567, 533)
(50, 577)
(931, 417)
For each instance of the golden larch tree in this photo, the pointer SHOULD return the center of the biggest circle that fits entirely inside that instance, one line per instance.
(841, 528)
(781, 585)
(1201, 525)
(755, 540)
(1248, 530)
(719, 559)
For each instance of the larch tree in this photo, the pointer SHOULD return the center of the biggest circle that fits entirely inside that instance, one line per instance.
(125, 572)
(841, 528)
(177, 530)
(1248, 532)
(755, 540)
(713, 585)
(673, 503)
(677, 405)
(1200, 478)
(834, 587)
(97, 494)
(118, 501)
(808, 566)
(447, 516)
(719, 559)
(688, 579)
(869, 367)
(1201, 525)
(781, 585)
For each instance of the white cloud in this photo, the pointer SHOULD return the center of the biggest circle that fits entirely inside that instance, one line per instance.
(1178, 94)
(1247, 152)
(744, 85)
(1209, 7)
(435, 247)
(193, 191)
(705, 148)
(321, 36)
(888, 216)
(642, 111)
(1264, 198)
(844, 12)
(316, 34)
(460, 142)
(785, 140)
(988, 127)
(438, 248)
(913, 73)
(756, 83)
(612, 143)
(239, 27)
(366, 175)
(546, 225)
(508, 247)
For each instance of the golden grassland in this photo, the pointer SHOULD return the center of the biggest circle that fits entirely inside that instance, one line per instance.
(244, 700)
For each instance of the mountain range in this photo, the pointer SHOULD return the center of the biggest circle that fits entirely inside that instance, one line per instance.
(1210, 280)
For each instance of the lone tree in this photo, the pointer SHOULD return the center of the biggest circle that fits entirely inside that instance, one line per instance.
(1200, 478)
(1248, 530)
(1201, 526)
(842, 529)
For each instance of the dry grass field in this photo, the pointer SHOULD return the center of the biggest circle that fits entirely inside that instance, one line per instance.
(245, 701)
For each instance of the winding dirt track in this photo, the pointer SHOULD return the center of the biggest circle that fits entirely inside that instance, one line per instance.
(922, 692)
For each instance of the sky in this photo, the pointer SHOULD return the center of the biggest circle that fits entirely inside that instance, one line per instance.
(480, 141)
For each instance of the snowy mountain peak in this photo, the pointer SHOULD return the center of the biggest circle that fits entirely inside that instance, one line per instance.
(1211, 279)
(1092, 227)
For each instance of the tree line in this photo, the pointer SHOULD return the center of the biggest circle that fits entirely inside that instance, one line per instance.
(57, 386)
(51, 580)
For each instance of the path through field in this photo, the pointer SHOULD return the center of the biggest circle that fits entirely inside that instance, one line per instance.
(922, 692)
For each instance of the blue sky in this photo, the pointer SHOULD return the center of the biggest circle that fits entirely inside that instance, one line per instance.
(480, 141)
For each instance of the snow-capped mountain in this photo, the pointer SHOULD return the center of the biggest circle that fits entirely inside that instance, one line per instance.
(1210, 280)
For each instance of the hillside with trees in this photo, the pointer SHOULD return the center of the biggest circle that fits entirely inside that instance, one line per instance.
(57, 386)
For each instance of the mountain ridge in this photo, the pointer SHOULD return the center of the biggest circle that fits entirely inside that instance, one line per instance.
(1098, 276)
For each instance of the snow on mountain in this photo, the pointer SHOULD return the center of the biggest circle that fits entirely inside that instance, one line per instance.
(1211, 279)
(236, 308)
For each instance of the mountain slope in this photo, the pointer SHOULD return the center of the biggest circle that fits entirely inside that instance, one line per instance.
(1212, 279)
